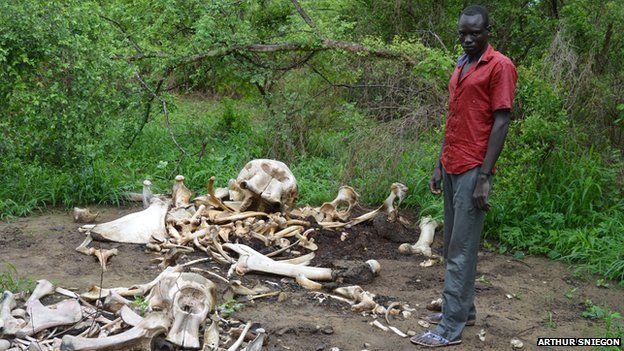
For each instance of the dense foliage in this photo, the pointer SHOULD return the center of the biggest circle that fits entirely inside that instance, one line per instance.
(348, 91)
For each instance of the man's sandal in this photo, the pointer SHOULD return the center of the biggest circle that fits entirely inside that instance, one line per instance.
(436, 318)
(430, 339)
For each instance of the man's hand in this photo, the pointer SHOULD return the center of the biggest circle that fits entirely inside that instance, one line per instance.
(481, 193)
(436, 181)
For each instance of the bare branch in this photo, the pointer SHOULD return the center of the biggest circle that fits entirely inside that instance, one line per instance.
(165, 111)
(306, 18)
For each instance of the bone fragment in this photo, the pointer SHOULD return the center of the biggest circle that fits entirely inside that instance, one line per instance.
(147, 193)
(136, 227)
(397, 331)
(307, 283)
(104, 255)
(240, 339)
(375, 266)
(235, 217)
(8, 324)
(378, 324)
(115, 302)
(84, 215)
(516, 343)
(301, 260)
(43, 317)
(398, 192)
(129, 316)
(42, 289)
(428, 263)
(180, 193)
(256, 344)
(211, 337)
(423, 246)
(154, 323)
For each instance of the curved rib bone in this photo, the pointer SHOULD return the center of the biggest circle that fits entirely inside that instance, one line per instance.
(136, 228)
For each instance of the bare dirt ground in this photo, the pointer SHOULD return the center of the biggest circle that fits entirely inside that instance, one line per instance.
(42, 246)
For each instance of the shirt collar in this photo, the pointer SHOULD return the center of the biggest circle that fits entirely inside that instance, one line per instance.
(485, 57)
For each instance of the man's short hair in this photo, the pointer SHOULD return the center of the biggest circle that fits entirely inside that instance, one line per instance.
(477, 10)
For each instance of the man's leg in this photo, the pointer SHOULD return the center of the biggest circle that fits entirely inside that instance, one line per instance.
(461, 257)
(449, 215)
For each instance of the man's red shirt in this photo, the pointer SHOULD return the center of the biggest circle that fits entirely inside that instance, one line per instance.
(489, 85)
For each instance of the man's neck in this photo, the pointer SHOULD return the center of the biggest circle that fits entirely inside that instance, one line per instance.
(476, 57)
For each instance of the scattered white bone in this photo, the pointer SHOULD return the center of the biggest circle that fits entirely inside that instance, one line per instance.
(308, 284)
(423, 324)
(378, 324)
(398, 192)
(256, 344)
(516, 343)
(136, 227)
(397, 331)
(481, 334)
(375, 266)
(84, 215)
(240, 339)
(428, 263)
(43, 288)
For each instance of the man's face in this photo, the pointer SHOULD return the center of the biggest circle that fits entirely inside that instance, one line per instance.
(473, 35)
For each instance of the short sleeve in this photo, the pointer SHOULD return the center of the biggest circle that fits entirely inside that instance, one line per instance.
(503, 85)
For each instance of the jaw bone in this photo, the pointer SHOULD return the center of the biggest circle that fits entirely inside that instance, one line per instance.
(153, 324)
(423, 246)
(84, 215)
(136, 228)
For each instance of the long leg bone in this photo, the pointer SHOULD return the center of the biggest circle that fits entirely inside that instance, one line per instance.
(154, 323)
(423, 246)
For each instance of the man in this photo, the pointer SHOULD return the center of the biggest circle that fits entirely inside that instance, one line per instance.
(481, 92)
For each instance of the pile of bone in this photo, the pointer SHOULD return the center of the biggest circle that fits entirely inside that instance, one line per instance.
(178, 306)
(257, 206)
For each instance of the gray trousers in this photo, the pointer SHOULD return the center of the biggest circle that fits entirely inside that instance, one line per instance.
(463, 224)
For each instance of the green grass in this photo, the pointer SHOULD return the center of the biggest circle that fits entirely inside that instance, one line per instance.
(11, 280)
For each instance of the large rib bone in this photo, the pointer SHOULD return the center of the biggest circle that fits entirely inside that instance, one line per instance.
(43, 317)
(423, 246)
(153, 324)
(136, 228)
(84, 215)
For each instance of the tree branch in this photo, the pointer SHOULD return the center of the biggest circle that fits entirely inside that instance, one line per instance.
(165, 111)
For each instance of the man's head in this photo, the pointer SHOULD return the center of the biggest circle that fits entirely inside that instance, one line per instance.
(473, 30)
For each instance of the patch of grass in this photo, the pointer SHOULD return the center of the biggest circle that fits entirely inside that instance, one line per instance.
(230, 307)
(140, 304)
(484, 280)
(570, 293)
(10, 280)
